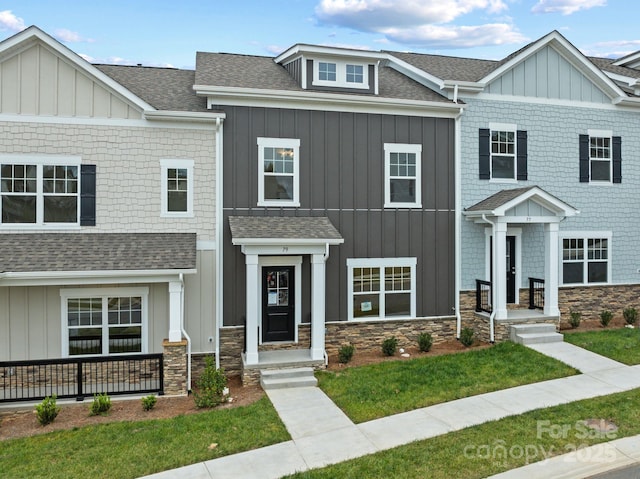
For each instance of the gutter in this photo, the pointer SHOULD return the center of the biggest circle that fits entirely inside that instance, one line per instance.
(184, 333)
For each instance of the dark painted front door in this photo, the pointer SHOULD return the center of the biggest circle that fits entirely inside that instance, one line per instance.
(511, 269)
(278, 312)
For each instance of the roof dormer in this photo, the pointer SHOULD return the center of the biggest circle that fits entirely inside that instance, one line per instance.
(333, 69)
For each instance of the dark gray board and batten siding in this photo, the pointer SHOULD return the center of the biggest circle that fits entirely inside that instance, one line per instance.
(342, 177)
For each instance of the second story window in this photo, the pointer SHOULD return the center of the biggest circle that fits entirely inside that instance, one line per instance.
(503, 153)
(340, 74)
(40, 192)
(355, 74)
(402, 175)
(327, 71)
(177, 188)
(278, 172)
(600, 157)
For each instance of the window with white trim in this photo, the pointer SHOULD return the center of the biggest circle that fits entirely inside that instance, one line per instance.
(586, 259)
(104, 321)
(40, 191)
(340, 74)
(278, 172)
(503, 153)
(403, 164)
(381, 288)
(177, 188)
(600, 164)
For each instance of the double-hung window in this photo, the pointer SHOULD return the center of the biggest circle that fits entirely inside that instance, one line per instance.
(586, 259)
(381, 288)
(403, 175)
(503, 153)
(278, 172)
(104, 321)
(40, 191)
(600, 157)
(177, 188)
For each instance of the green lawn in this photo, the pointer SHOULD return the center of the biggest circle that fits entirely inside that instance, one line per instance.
(133, 449)
(621, 345)
(498, 446)
(383, 389)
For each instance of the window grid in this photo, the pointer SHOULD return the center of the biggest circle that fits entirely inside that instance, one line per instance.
(600, 158)
(278, 165)
(503, 154)
(366, 280)
(585, 260)
(355, 74)
(327, 71)
(402, 175)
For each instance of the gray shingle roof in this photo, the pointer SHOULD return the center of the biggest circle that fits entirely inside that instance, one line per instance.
(498, 199)
(262, 73)
(97, 251)
(163, 88)
(283, 227)
(449, 68)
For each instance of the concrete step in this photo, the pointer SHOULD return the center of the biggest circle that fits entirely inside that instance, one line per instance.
(532, 328)
(538, 338)
(287, 378)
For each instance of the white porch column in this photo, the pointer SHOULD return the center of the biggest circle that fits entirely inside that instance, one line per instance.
(175, 311)
(253, 296)
(551, 269)
(499, 286)
(318, 278)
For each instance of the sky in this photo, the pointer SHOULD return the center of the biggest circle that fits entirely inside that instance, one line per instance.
(169, 33)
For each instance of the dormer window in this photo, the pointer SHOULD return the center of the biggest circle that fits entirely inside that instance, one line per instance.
(340, 74)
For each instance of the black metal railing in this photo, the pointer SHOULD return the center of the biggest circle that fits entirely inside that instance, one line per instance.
(536, 293)
(81, 377)
(483, 296)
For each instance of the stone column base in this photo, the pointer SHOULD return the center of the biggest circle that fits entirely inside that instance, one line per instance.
(175, 367)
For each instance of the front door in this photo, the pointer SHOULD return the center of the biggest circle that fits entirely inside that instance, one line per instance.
(511, 269)
(278, 311)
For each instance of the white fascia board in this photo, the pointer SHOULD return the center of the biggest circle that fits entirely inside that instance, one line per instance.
(32, 33)
(628, 59)
(306, 100)
(189, 116)
(464, 86)
(541, 197)
(630, 81)
(300, 49)
(44, 278)
(285, 241)
(570, 53)
(416, 74)
(627, 101)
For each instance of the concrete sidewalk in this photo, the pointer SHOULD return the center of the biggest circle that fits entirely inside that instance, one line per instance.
(321, 434)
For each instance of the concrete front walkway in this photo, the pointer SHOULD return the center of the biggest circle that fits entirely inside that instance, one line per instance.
(321, 434)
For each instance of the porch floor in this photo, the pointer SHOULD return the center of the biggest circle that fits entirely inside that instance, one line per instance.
(282, 359)
(521, 315)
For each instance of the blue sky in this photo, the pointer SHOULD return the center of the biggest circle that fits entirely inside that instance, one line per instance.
(168, 33)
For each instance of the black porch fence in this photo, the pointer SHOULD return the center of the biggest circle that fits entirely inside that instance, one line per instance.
(536, 293)
(81, 377)
(483, 296)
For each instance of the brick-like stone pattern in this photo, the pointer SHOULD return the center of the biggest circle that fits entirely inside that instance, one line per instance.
(591, 300)
(127, 158)
(175, 367)
(304, 341)
(231, 348)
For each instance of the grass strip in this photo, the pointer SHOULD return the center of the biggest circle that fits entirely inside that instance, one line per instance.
(378, 390)
(622, 345)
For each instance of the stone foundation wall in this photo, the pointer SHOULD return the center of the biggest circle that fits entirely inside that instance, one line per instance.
(175, 367)
(368, 335)
(591, 300)
(231, 348)
(304, 341)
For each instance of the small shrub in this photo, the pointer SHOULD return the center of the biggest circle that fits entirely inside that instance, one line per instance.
(574, 318)
(389, 346)
(630, 315)
(345, 353)
(149, 402)
(425, 341)
(100, 405)
(605, 317)
(466, 337)
(210, 386)
(47, 410)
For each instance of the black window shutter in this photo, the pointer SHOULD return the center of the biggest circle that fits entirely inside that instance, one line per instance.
(617, 159)
(484, 150)
(87, 195)
(584, 158)
(522, 154)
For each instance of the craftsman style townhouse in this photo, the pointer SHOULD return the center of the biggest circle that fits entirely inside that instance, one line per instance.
(267, 211)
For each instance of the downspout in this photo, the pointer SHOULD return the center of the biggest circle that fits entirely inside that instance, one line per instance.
(326, 356)
(458, 215)
(493, 290)
(184, 333)
(218, 221)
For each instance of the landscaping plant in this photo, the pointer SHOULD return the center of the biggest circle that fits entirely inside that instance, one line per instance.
(210, 386)
(47, 410)
(605, 317)
(345, 353)
(425, 341)
(149, 402)
(630, 315)
(100, 405)
(466, 337)
(389, 346)
(574, 318)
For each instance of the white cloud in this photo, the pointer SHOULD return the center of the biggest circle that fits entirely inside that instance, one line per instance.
(68, 36)
(566, 7)
(422, 23)
(436, 36)
(8, 21)
(616, 49)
